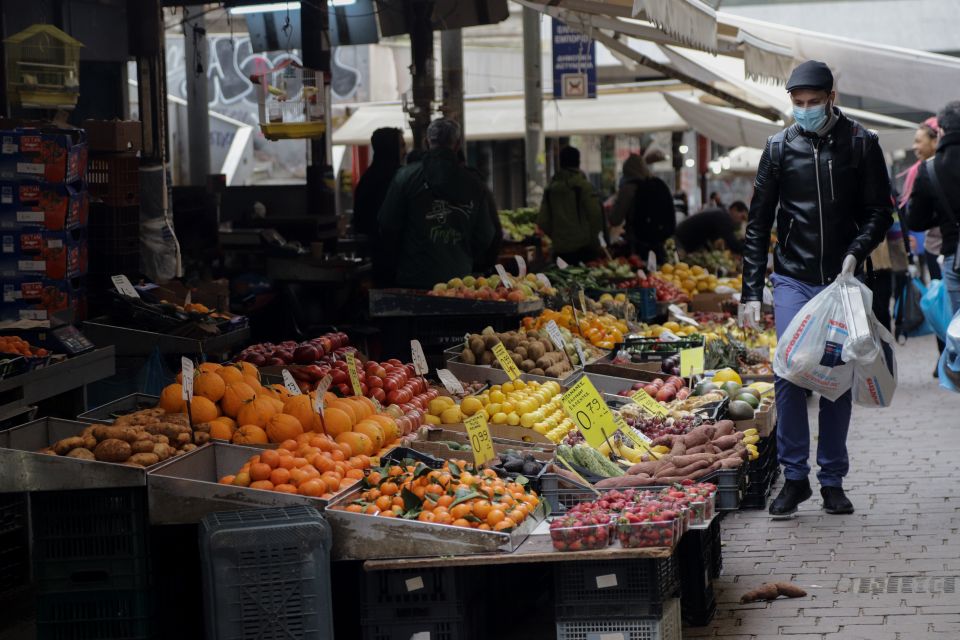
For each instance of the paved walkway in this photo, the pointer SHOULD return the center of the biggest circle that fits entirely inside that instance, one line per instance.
(888, 572)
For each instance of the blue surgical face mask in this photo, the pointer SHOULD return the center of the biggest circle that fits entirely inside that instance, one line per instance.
(811, 119)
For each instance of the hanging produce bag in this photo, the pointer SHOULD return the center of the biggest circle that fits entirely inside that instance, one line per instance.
(935, 304)
(908, 314)
(874, 382)
(949, 367)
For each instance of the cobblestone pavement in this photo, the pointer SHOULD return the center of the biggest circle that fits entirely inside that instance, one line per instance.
(891, 570)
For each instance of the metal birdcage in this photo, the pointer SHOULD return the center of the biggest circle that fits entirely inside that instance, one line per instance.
(43, 68)
(292, 101)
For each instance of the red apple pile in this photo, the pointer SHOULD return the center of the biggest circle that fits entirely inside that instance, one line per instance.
(674, 388)
(318, 350)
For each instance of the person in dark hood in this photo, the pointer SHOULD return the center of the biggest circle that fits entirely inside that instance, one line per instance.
(570, 212)
(644, 202)
(388, 152)
(435, 215)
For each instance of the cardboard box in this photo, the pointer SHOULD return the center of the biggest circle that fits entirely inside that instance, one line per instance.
(708, 302)
(39, 253)
(114, 135)
(42, 299)
(27, 204)
(45, 154)
(764, 420)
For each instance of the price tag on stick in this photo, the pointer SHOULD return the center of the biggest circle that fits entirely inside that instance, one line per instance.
(450, 382)
(504, 276)
(542, 277)
(691, 362)
(585, 406)
(321, 390)
(354, 377)
(583, 301)
(648, 404)
(556, 337)
(561, 263)
(521, 266)
(638, 438)
(418, 357)
(480, 440)
(186, 376)
(123, 286)
(290, 383)
(503, 357)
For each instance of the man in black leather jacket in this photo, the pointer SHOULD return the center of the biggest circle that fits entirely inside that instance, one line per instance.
(823, 182)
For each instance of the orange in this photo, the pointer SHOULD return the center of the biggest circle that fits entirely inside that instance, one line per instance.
(337, 421)
(262, 484)
(242, 479)
(248, 369)
(210, 386)
(254, 383)
(460, 522)
(270, 457)
(481, 509)
(301, 408)
(203, 410)
(298, 476)
(312, 488)
(495, 516)
(171, 399)
(347, 407)
(234, 395)
(285, 488)
(282, 427)
(260, 471)
(257, 411)
(461, 510)
(331, 480)
(373, 431)
(230, 373)
(221, 430)
(361, 406)
(226, 480)
(323, 462)
(391, 431)
(358, 442)
(208, 367)
(280, 476)
(250, 434)
(504, 524)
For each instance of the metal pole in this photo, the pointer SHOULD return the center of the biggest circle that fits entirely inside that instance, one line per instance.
(421, 68)
(533, 108)
(451, 53)
(198, 119)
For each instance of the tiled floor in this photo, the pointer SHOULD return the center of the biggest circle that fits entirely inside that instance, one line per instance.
(891, 571)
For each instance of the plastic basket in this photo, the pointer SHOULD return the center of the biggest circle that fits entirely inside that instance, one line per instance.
(95, 615)
(113, 228)
(14, 560)
(697, 609)
(622, 588)
(438, 629)
(13, 512)
(666, 626)
(266, 574)
(419, 594)
(114, 178)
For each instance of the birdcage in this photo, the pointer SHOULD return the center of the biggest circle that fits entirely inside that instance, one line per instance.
(43, 68)
(292, 101)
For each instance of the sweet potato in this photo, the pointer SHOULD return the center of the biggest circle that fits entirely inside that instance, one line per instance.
(684, 472)
(696, 437)
(112, 450)
(728, 442)
(666, 470)
(683, 461)
(710, 431)
(65, 446)
(644, 467)
(724, 428)
(679, 447)
(766, 591)
(666, 440)
(703, 448)
(790, 590)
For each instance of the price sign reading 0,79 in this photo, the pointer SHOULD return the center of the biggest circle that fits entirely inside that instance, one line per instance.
(585, 406)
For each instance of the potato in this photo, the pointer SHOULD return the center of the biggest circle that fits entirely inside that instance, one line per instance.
(188, 447)
(201, 437)
(127, 434)
(203, 427)
(142, 446)
(144, 459)
(113, 450)
(183, 439)
(81, 453)
(163, 451)
(65, 446)
(47, 452)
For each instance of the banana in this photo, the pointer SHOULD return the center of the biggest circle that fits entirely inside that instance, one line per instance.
(660, 449)
(604, 449)
(751, 440)
(750, 432)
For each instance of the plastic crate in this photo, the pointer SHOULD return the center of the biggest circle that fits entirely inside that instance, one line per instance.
(399, 454)
(438, 629)
(731, 485)
(666, 626)
(416, 594)
(13, 512)
(95, 615)
(697, 555)
(14, 561)
(617, 588)
(266, 574)
(698, 609)
(114, 178)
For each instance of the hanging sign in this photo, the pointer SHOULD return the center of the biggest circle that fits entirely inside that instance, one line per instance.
(574, 63)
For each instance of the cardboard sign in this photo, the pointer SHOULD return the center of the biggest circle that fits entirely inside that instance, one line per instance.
(556, 337)
(542, 277)
(450, 382)
(585, 406)
(322, 387)
(480, 440)
(123, 286)
(290, 383)
(691, 361)
(352, 370)
(186, 371)
(521, 266)
(503, 357)
(504, 276)
(418, 357)
(648, 404)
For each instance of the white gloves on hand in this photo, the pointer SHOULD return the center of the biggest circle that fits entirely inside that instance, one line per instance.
(748, 315)
(849, 265)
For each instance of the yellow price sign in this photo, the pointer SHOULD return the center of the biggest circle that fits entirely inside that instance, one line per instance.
(503, 357)
(648, 404)
(352, 370)
(480, 440)
(691, 361)
(583, 403)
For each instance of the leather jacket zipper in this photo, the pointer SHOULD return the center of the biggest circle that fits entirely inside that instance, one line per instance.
(786, 236)
(816, 168)
(833, 197)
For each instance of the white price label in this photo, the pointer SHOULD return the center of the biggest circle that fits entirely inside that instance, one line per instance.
(504, 276)
(188, 299)
(603, 241)
(681, 315)
(583, 301)
(607, 581)
(418, 357)
(561, 263)
(290, 383)
(123, 286)
(186, 373)
(580, 353)
(322, 387)
(414, 584)
(542, 277)
(668, 336)
(521, 266)
(556, 337)
(652, 261)
(641, 274)
(450, 382)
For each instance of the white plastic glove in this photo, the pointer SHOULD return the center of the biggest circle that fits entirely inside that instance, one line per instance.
(748, 315)
(849, 265)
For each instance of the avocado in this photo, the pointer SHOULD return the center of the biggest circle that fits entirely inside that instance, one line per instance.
(749, 398)
(740, 410)
(751, 391)
(704, 388)
(732, 389)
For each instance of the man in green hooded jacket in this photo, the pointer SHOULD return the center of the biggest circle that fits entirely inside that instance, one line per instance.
(570, 213)
(436, 219)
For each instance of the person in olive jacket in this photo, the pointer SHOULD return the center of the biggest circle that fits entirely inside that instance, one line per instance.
(570, 212)
(436, 219)
(823, 182)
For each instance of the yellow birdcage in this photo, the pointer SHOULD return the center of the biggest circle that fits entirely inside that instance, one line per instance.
(292, 102)
(43, 68)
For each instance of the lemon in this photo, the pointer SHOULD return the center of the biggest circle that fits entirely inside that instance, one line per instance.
(513, 418)
(470, 406)
(499, 418)
(431, 419)
(438, 406)
(497, 396)
(451, 416)
(507, 387)
(528, 420)
(540, 428)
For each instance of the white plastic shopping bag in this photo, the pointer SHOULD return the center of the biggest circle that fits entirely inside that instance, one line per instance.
(874, 382)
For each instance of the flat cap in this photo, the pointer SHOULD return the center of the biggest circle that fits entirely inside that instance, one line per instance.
(811, 74)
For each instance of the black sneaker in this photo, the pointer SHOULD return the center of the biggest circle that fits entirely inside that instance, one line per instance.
(835, 501)
(793, 493)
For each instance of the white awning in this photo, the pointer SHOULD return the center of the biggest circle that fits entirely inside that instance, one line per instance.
(503, 119)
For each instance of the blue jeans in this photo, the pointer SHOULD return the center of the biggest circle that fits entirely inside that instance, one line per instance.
(793, 427)
(951, 280)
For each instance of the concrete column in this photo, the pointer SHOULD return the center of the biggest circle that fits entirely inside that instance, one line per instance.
(451, 52)
(533, 108)
(198, 119)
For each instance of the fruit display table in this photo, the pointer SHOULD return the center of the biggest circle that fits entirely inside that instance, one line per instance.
(70, 376)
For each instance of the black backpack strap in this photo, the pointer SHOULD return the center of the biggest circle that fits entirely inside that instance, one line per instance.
(937, 187)
(859, 145)
(777, 141)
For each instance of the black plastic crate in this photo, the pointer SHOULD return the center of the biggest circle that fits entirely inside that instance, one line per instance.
(89, 523)
(95, 615)
(416, 594)
(434, 629)
(622, 588)
(697, 610)
(400, 454)
(731, 485)
(266, 574)
(114, 178)
(13, 512)
(665, 626)
(696, 555)
(14, 561)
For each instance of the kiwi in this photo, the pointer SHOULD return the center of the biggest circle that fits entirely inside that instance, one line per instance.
(510, 341)
(468, 356)
(489, 340)
(476, 345)
(521, 351)
(543, 362)
(533, 335)
(486, 358)
(536, 351)
(536, 371)
(547, 345)
(527, 365)
(516, 358)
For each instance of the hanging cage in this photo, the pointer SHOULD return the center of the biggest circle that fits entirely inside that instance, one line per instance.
(43, 68)
(292, 102)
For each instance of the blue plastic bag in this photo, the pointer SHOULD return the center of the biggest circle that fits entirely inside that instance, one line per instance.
(935, 303)
(908, 314)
